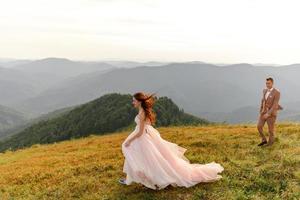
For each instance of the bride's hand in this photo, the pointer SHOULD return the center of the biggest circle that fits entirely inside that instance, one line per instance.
(127, 144)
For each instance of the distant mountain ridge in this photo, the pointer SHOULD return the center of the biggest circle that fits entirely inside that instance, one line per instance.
(24, 79)
(197, 87)
(223, 92)
(9, 118)
(16, 128)
(55, 70)
(107, 114)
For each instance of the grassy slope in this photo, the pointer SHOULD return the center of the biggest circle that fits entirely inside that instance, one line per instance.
(89, 168)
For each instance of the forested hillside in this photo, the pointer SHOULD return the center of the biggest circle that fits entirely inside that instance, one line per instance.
(106, 114)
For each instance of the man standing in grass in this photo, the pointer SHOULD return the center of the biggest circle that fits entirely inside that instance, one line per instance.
(268, 111)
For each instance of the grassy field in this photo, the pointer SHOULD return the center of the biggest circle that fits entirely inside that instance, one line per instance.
(89, 168)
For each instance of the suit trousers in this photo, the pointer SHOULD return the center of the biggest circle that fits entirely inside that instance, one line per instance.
(271, 126)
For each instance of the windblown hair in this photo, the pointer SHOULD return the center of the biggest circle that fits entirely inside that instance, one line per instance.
(147, 103)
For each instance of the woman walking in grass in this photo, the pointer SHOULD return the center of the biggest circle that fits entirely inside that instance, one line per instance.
(155, 162)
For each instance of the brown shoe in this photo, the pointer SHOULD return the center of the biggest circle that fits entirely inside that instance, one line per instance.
(262, 143)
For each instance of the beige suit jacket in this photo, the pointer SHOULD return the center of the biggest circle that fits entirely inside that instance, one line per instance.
(271, 104)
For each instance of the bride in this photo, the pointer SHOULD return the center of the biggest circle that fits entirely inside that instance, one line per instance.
(155, 162)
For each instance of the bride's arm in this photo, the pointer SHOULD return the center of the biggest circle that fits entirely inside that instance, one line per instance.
(140, 132)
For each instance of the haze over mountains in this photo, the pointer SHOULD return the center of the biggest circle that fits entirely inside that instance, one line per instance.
(10, 118)
(228, 93)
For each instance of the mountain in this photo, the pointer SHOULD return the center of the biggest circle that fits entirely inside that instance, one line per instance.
(16, 86)
(131, 64)
(8, 63)
(167, 80)
(89, 168)
(9, 118)
(197, 87)
(223, 93)
(50, 71)
(18, 127)
(24, 79)
(249, 114)
(106, 114)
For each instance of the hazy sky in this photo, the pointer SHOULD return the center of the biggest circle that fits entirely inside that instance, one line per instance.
(229, 31)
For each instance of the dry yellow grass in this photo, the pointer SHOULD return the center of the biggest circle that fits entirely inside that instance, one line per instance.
(89, 168)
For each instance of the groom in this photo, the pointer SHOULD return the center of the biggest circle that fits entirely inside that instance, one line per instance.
(268, 111)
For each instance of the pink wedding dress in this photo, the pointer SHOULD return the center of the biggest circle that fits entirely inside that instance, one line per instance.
(157, 163)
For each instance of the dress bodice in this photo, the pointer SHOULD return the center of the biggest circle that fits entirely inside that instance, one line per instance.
(137, 120)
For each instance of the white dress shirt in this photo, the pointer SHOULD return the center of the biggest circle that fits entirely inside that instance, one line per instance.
(268, 93)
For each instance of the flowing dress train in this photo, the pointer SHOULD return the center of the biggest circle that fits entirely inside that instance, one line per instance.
(157, 163)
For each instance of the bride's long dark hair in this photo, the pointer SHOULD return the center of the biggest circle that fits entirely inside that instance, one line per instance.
(147, 103)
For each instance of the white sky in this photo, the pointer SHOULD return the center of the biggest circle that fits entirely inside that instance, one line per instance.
(222, 31)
